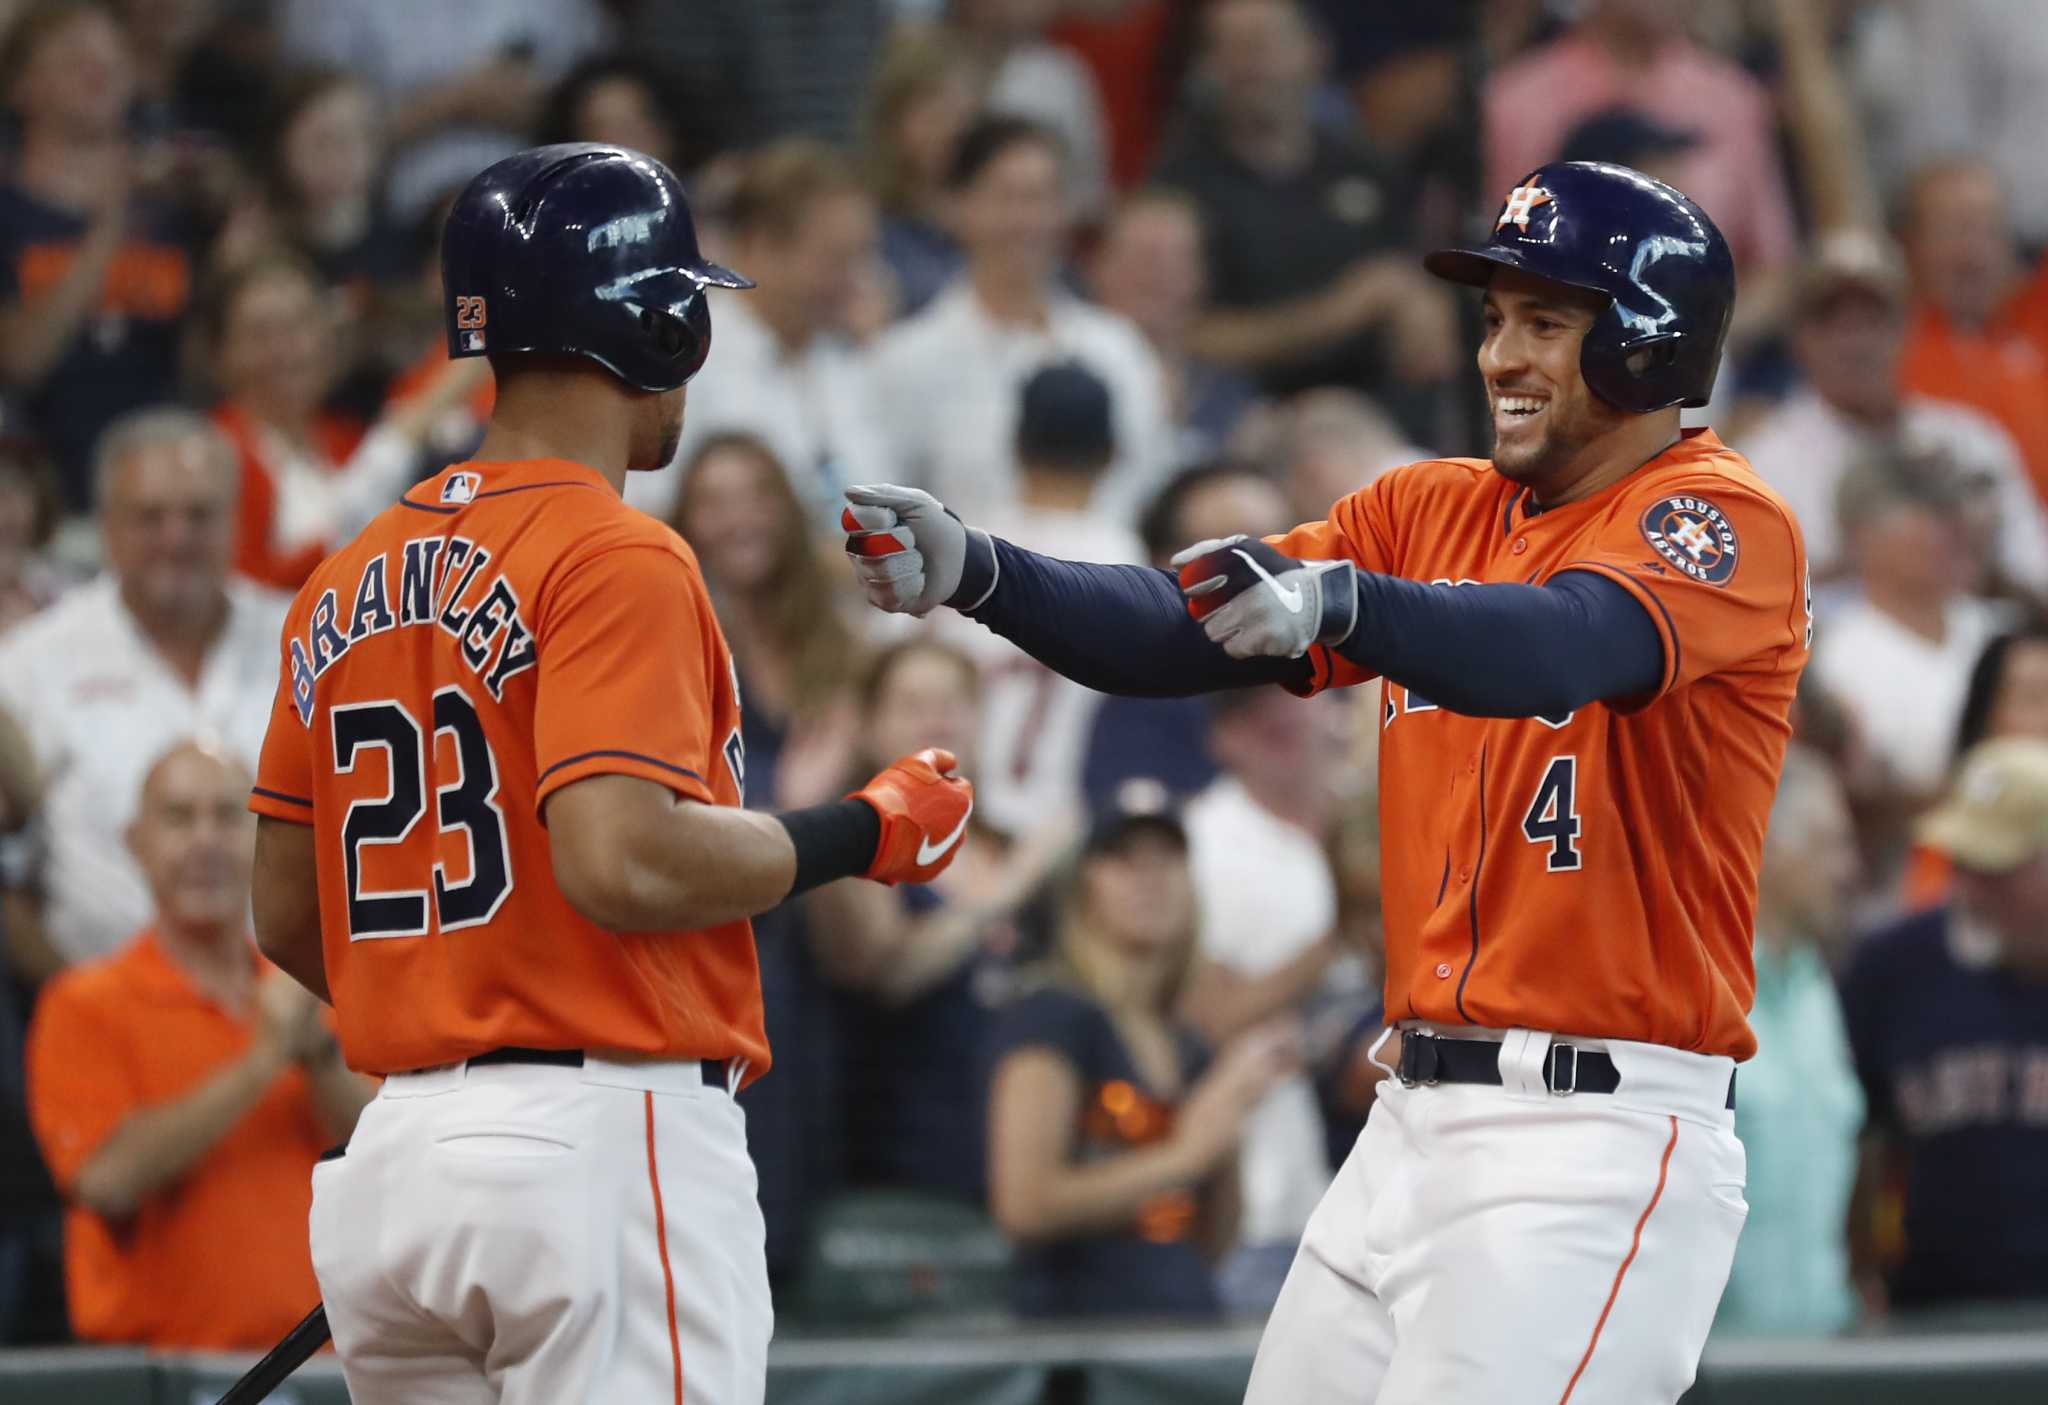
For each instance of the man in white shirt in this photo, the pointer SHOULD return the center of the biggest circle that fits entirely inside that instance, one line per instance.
(1267, 905)
(1899, 655)
(950, 376)
(166, 644)
(1848, 334)
(786, 370)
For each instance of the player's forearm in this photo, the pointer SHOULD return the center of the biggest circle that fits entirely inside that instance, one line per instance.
(158, 1145)
(1116, 629)
(696, 866)
(1507, 650)
(339, 1094)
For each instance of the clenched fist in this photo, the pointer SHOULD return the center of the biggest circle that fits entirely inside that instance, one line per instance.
(924, 807)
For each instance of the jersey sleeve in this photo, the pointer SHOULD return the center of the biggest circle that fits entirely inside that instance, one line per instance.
(284, 770)
(1359, 529)
(1721, 569)
(625, 641)
(78, 1084)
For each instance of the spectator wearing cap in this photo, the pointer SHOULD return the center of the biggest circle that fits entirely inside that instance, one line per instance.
(1977, 333)
(166, 644)
(1035, 724)
(786, 371)
(926, 968)
(1149, 266)
(1636, 54)
(1266, 900)
(1948, 1015)
(1305, 225)
(951, 376)
(182, 1090)
(95, 275)
(1168, 738)
(1898, 655)
(1112, 1135)
(1800, 1108)
(1848, 334)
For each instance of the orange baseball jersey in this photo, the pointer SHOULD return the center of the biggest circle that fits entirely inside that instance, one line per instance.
(503, 630)
(1593, 874)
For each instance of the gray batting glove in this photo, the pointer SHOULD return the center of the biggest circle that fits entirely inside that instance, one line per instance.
(1258, 603)
(908, 551)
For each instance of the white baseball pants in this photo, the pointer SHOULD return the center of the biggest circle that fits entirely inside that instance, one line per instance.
(539, 1235)
(1507, 1246)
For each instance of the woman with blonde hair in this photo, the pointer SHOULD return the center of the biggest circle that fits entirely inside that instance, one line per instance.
(1112, 1135)
(926, 90)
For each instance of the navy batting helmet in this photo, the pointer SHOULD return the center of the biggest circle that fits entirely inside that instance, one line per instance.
(1664, 269)
(581, 250)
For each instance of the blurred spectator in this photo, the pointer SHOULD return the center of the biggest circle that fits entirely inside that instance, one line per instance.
(625, 100)
(94, 276)
(923, 97)
(1410, 73)
(1948, 1016)
(1043, 83)
(950, 376)
(2007, 697)
(1899, 654)
(1847, 335)
(1112, 1137)
(182, 1090)
(1333, 443)
(1035, 724)
(166, 644)
(1624, 137)
(1267, 905)
(786, 68)
(1636, 54)
(310, 479)
(1149, 267)
(461, 85)
(418, 332)
(1168, 738)
(29, 580)
(1979, 83)
(1304, 223)
(927, 966)
(1134, 49)
(786, 372)
(318, 191)
(1976, 335)
(1799, 1107)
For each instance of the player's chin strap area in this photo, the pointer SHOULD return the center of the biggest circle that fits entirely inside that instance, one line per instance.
(1426, 1059)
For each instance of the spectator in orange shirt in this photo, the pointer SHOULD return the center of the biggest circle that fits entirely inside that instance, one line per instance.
(182, 1091)
(1977, 334)
(310, 478)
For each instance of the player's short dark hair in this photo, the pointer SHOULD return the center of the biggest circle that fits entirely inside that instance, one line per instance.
(1987, 680)
(992, 137)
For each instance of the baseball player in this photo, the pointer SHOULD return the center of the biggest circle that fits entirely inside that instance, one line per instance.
(501, 830)
(1590, 644)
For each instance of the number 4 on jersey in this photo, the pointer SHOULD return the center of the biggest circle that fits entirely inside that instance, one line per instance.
(1553, 816)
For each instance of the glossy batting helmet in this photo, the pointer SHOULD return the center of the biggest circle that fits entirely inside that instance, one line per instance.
(581, 250)
(1664, 269)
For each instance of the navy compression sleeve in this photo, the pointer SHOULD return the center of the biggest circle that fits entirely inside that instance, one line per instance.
(1507, 650)
(1116, 629)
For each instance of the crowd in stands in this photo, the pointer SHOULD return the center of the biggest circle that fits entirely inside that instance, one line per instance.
(1108, 277)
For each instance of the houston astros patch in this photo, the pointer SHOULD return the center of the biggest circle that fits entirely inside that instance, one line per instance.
(1692, 535)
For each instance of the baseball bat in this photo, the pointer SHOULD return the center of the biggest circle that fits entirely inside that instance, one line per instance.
(284, 1358)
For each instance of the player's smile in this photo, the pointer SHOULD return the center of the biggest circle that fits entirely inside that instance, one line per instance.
(1516, 412)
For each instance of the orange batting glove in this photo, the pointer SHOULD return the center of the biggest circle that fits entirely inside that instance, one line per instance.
(924, 807)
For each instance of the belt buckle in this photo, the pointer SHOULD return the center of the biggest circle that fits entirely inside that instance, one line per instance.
(1559, 1087)
(1419, 1065)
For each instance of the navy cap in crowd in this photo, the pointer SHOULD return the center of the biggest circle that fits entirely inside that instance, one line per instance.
(1065, 418)
(1139, 804)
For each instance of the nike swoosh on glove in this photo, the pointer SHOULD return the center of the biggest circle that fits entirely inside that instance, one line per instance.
(924, 805)
(907, 550)
(1258, 603)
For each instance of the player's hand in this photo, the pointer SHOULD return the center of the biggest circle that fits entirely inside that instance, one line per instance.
(1207, 1127)
(907, 550)
(924, 805)
(1257, 603)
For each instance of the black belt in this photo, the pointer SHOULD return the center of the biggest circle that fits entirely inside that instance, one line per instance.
(716, 1071)
(1428, 1059)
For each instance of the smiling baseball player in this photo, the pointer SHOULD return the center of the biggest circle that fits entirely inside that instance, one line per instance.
(1590, 644)
(501, 824)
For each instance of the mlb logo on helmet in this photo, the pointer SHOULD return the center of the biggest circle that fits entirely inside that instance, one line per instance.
(460, 487)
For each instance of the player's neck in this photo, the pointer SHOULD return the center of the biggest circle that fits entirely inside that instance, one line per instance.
(1613, 458)
(547, 415)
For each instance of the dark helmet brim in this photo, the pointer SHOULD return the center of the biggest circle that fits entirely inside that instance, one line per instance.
(713, 275)
(1474, 268)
